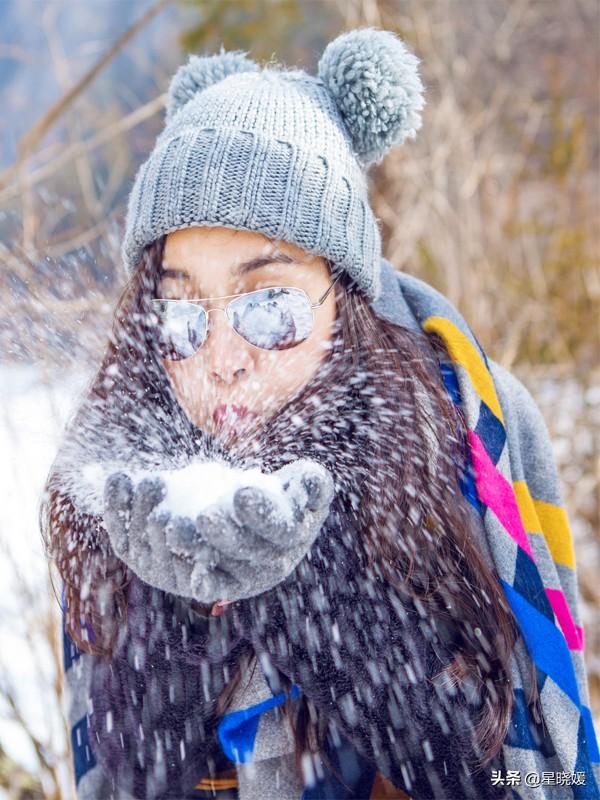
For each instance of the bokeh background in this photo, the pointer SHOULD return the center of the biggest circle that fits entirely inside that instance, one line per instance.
(496, 204)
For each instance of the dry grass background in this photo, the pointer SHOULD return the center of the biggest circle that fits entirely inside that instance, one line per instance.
(496, 203)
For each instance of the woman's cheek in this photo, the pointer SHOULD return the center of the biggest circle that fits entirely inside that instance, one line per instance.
(289, 378)
(176, 378)
(184, 380)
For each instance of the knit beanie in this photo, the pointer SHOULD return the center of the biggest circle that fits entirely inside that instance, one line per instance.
(281, 152)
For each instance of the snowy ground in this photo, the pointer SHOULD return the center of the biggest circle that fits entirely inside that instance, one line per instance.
(33, 409)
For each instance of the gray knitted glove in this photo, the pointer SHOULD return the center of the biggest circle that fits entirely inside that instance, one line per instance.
(232, 550)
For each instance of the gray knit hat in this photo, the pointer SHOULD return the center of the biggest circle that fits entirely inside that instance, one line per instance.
(278, 151)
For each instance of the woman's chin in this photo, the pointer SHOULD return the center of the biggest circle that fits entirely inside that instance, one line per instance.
(238, 432)
(238, 439)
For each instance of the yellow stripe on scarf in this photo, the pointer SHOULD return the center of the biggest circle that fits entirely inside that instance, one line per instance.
(537, 516)
(465, 353)
(548, 519)
(216, 784)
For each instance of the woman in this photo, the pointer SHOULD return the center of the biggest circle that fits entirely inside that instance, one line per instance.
(364, 602)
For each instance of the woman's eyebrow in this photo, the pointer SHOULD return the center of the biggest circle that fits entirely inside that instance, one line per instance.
(168, 272)
(240, 269)
(262, 261)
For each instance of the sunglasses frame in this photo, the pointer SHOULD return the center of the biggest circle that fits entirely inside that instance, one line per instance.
(195, 300)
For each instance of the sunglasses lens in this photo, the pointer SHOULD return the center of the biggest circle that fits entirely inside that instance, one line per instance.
(273, 319)
(180, 328)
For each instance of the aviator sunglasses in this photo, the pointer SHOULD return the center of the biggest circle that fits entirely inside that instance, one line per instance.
(275, 318)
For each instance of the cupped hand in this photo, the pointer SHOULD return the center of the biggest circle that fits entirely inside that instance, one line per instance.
(236, 548)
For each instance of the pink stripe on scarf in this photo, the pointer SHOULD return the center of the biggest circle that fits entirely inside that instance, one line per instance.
(573, 633)
(497, 493)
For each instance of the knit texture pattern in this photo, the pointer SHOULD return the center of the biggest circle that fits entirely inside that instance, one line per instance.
(281, 152)
(513, 490)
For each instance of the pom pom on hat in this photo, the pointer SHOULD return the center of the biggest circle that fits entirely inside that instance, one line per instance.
(374, 81)
(201, 72)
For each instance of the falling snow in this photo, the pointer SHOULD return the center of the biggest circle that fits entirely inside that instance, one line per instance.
(314, 600)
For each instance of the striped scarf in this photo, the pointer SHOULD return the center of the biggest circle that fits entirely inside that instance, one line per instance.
(514, 487)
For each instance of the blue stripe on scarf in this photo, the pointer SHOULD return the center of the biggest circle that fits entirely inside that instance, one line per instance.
(491, 431)
(524, 731)
(589, 791)
(590, 735)
(237, 730)
(357, 774)
(83, 757)
(545, 643)
(466, 477)
(528, 584)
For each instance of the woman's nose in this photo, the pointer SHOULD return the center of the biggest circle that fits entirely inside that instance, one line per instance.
(227, 354)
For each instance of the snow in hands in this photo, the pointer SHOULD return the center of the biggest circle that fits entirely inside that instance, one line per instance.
(210, 531)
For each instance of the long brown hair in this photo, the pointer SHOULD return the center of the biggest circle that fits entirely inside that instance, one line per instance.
(391, 376)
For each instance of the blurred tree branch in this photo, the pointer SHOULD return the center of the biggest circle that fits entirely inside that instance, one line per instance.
(77, 149)
(33, 137)
(83, 166)
(16, 781)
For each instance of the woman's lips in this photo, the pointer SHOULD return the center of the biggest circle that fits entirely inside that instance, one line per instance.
(219, 607)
